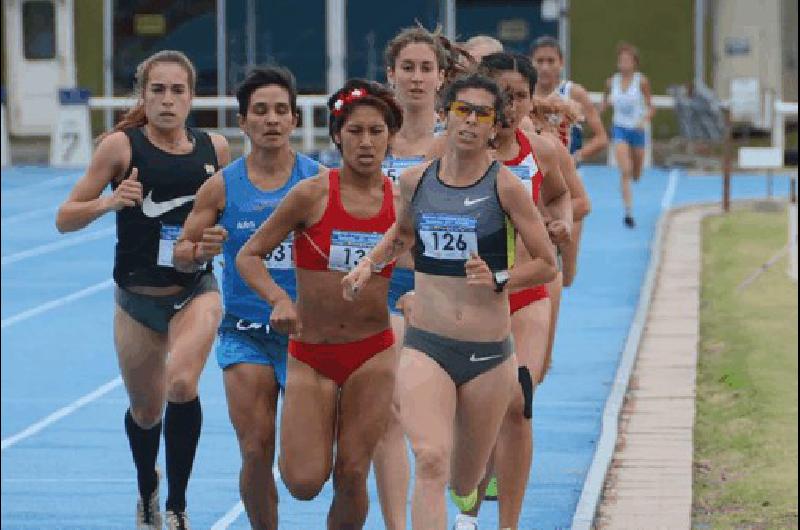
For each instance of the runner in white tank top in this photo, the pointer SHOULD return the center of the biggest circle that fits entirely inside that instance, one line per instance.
(628, 92)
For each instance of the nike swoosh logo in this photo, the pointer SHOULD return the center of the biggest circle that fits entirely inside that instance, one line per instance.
(468, 202)
(476, 359)
(243, 325)
(156, 209)
(180, 305)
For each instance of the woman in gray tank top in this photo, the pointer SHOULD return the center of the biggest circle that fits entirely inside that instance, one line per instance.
(460, 215)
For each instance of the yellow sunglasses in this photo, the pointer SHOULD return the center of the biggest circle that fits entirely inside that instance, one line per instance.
(483, 113)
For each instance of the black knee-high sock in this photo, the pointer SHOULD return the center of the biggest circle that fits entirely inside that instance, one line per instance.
(182, 423)
(144, 447)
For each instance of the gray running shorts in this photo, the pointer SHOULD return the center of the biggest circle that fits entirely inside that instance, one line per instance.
(462, 360)
(155, 312)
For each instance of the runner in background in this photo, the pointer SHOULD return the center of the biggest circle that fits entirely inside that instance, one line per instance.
(232, 205)
(628, 92)
(480, 46)
(415, 68)
(165, 320)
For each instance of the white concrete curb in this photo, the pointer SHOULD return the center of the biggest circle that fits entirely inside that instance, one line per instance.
(604, 452)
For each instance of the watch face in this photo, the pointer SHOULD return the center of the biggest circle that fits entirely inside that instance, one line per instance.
(501, 276)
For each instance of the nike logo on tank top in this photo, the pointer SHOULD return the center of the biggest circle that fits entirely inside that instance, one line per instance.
(146, 234)
(452, 222)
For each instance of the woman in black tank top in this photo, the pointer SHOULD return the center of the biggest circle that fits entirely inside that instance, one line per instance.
(155, 164)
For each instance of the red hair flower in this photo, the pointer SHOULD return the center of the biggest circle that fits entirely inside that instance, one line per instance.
(341, 101)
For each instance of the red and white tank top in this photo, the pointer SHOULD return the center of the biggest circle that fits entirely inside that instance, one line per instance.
(526, 167)
(338, 241)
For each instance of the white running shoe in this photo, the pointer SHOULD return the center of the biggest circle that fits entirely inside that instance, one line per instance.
(465, 522)
(148, 516)
(177, 520)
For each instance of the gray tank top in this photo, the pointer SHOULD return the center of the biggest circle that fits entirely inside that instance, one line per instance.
(452, 222)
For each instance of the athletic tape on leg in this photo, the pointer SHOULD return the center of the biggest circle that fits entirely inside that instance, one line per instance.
(526, 383)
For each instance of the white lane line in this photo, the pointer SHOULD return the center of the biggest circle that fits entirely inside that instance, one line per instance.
(226, 520)
(238, 509)
(58, 302)
(583, 518)
(57, 245)
(62, 412)
(30, 214)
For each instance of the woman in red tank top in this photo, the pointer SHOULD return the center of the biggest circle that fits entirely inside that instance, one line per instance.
(341, 367)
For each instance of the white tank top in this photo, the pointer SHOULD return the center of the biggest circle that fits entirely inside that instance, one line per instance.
(628, 104)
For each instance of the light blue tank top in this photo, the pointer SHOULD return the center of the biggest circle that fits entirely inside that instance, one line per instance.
(246, 207)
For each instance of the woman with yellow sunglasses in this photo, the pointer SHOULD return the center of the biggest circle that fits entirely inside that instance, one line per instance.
(457, 370)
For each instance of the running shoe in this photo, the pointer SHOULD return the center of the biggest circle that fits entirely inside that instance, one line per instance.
(177, 520)
(491, 490)
(148, 516)
(465, 522)
(629, 222)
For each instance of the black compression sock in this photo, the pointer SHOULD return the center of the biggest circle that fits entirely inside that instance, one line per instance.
(182, 423)
(144, 448)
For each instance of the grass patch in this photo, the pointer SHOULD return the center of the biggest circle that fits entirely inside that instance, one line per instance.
(745, 435)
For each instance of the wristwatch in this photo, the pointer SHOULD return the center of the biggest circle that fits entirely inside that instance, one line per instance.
(500, 280)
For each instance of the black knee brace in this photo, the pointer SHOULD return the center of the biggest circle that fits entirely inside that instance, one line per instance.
(526, 383)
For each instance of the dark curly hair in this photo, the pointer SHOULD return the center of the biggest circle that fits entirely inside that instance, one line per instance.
(480, 81)
(378, 97)
(509, 62)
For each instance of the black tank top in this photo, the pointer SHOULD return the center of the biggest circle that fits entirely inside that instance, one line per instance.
(451, 222)
(147, 233)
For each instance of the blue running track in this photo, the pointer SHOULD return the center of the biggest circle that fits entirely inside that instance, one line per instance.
(65, 458)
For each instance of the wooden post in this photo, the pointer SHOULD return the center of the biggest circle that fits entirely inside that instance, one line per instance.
(727, 161)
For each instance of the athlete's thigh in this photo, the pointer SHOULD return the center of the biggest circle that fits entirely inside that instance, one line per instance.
(623, 155)
(530, 327)
(427, 398)
(142, 354)
(482, 404)
(364, 406)
(637, 159)
(308, 417)
(192, 332)
(570, 254)
(252, 395)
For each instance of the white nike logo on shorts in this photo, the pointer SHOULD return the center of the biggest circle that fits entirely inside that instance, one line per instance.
(154, 209)
(476, 359)
(468, 202)
(180, 305)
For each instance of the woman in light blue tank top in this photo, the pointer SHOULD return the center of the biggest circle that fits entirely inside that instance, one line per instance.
(628, 92)
(228, 210)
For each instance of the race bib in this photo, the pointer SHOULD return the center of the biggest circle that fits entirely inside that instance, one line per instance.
(166, 244)
(525, 173)
(451, 237)
(392, 167)
(348, 248)
(281, 256)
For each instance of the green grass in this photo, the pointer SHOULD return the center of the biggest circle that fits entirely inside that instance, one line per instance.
(745, 435)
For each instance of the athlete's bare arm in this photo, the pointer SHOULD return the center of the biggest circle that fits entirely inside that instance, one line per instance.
(599, 139)
(526, 220)
(648, 99)
(555, 194)
(606, 94)
(221, 148)
(292, 213)
(200, 239)
(580, 199)
(398, 239)
(85, 203)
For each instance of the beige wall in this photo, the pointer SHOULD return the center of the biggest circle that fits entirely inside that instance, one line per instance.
(757, 21)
